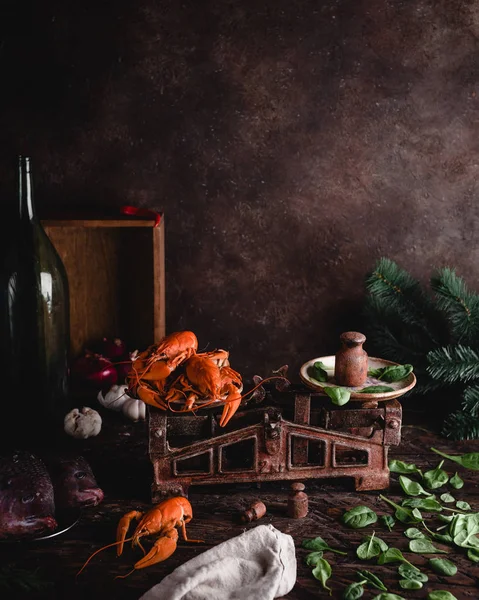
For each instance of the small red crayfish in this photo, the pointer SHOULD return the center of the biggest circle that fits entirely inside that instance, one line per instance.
(161, 520)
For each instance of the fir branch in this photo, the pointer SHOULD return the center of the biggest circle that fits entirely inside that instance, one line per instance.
(460, 306)
(453, 363)
(403, 295)
(461, 426)
(470, 403)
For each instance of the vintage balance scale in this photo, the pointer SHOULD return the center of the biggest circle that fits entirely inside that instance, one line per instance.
(286, 432)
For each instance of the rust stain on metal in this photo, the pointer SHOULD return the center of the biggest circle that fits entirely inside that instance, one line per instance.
(296, 435)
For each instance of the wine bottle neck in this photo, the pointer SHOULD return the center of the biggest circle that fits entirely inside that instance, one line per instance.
(26, 206)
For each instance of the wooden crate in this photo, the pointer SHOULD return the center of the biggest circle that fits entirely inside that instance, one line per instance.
(116, 275)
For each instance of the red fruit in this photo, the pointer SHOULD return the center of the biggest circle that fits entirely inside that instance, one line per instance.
(94, 370)
(112, 348)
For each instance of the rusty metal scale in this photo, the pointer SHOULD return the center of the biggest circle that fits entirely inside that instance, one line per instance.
(285, 433)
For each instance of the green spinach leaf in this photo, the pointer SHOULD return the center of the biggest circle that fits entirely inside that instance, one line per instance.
(412, 488)
(436, 478)
(354, 591)
(391, 373)
(424, 547)
(322, 572)
(443, 566)
(339, 395)
(318, 371)
(372, 579)
(427, 504)
(410, 584)
(371, 547)
(393, 555)
(413, 573)
(388, 521)
(456, 482)
(318, 544)
(313, 558)
(403, 468)
(376, 389)
(403, 513)
(447, 498)
(360, 516)
(463, 505)
(473, 554)
(440, 595)
(469, 461)
(413, 533)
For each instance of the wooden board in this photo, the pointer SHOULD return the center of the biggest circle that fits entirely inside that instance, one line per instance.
(119, 459)
(116, 275)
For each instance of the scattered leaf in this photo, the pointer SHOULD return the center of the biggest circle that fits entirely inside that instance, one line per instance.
(339, 396)
(313, 558)
(318, 371)
(424, 547)
(443, 566)
(410, 584)
(354, 591)
(456, 482)
(469, 461)
(412, 488)
(322, 572)
(436, 478)
(388, 521)
(447, 498)
(372, 579)
(371, 547)
(403, 468)
(359, 516)
(318, 544)
(376, 389)
(440, 595)
(413, 573)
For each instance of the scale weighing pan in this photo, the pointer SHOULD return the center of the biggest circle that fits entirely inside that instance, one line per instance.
(399, 387)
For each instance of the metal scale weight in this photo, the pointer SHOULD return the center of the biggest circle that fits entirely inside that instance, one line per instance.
(291, 432)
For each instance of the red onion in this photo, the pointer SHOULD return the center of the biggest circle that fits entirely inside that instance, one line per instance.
(95, 370)
(113, 349)
(122, 369)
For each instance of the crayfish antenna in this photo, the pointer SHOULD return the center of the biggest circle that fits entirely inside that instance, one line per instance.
(123, 576)
(100, 550)
(264, 381)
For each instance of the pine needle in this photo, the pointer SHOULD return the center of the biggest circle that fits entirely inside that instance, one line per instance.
(470, 404)
(453, 363)
(460, 307)
(461, 426)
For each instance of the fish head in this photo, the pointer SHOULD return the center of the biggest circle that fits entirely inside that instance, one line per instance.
(74, 483)
(26, 497)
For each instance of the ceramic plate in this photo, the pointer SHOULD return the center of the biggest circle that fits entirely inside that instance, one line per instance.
(65, 519)
(399, 387)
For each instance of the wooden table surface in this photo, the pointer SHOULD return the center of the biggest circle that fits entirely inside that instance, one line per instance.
(120, 461)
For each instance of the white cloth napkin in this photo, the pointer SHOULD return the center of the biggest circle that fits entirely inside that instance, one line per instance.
(259, 564)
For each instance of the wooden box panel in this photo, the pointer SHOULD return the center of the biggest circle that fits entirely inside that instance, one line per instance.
(116, 275)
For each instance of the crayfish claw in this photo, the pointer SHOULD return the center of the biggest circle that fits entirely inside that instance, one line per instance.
(229, 410)
(162, 549)
(123, 527)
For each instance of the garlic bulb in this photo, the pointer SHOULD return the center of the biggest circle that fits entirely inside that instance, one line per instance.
(114, 398)
(82, 424)
(134, 409)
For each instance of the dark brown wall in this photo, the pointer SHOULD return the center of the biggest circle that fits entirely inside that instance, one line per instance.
(289, 145)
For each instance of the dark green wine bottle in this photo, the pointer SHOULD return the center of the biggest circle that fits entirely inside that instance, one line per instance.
(35, 328)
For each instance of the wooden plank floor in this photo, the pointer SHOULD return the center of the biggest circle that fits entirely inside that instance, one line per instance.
(120, 461)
